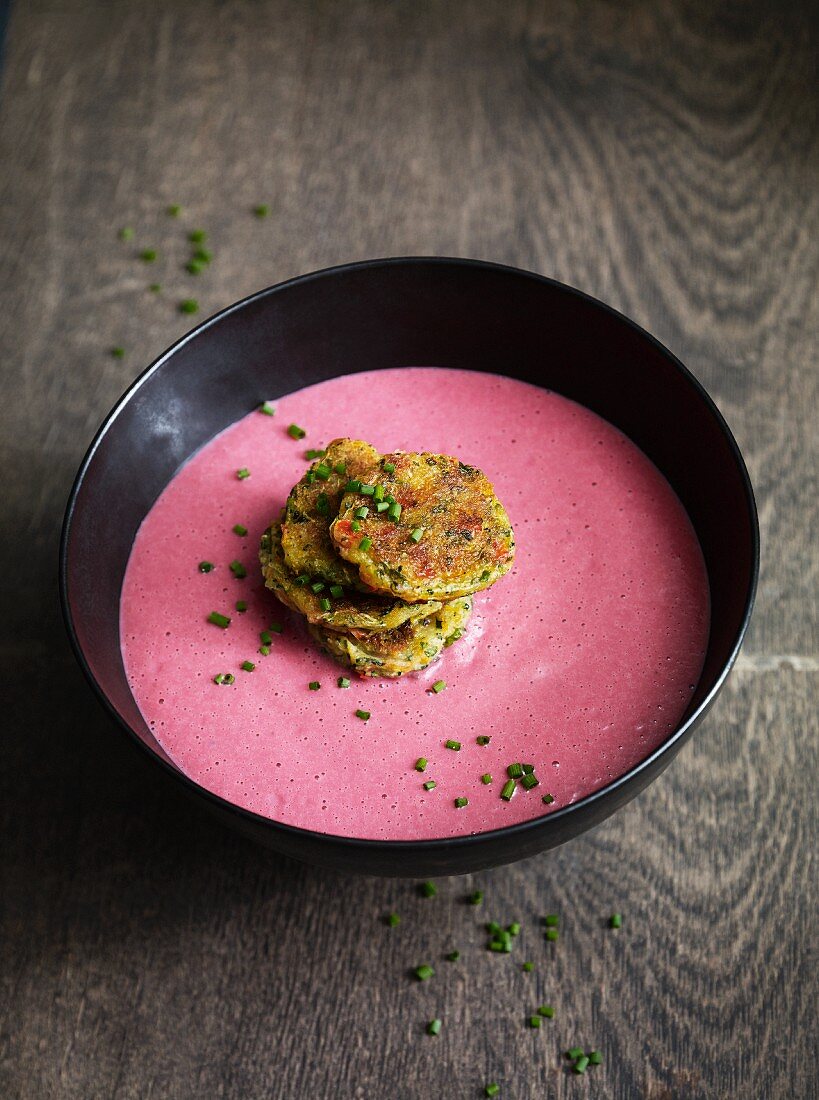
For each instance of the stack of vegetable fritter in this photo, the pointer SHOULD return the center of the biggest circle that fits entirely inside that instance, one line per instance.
(382, 553)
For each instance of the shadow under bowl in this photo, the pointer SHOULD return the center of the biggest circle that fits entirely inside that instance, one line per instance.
(392, 313)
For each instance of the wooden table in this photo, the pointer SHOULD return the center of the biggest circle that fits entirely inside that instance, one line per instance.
(662, 156)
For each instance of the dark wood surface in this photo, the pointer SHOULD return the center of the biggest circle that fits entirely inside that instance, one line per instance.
(663, 156)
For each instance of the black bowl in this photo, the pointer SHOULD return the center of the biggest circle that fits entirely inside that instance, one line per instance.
(390, 313)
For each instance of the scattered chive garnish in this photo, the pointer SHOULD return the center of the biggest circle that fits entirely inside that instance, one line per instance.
(155, 288)
(393, 919)
(265, 637)
(486, 779)
(430, 785)
(482, 740)
(352, 486)
(492, 1089)
(194, 267)
(343, 682)
(493, 927)
(461, 802)
(574, 1053)
(323, 504)
(434, 1027)
(581, 1064)
(317, 586)
(206, 566)
(340, 468)
(551, 920)
(615, 921)
(310, 478)
(262, 210)
(552, 934)
(323, 472)
(247, 666)
(239, 529)
(238, 570)
(362, 512)
(364, 715)
(148, 255)
(548, 799)
(355, 526)
(264, 650)
(508, 791)
(276, 628)
(196, 236)
(241, 605)
(454, 745)
(174, 210)
(243, 474)
(534, 1021)
(394, 512)
(203, 256)
(118, 353)
(421, 764)
(189, 305)
(325, 604)
(378, 493)
(219, 620)
(514, 771)
(595, 1058)
(367, 490)
(365, 543)
(529, 781)
(476, 897)
(382, 506)
(427, 889)
(417, 534)
(528, 967)
(547, 1011)
(513, 929)
(423, 973)
(126, 233)
(302, 579)
(389, 468)
(439, 686)
(336, 591)
(453, 956)
(314, 685)
(224, 678)
(315, 452)
(267, 409)
(528, 769)
(295, 432)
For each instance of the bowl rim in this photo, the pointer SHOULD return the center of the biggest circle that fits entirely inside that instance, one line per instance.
(434, 844)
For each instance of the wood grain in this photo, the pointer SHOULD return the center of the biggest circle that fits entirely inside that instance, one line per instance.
(663, 156)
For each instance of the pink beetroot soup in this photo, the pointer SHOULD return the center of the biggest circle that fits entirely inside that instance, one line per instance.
(581, 661)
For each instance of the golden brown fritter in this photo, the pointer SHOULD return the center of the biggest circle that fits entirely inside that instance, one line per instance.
(451, 537)
(347, 612)
(313, 503)
(393, 653)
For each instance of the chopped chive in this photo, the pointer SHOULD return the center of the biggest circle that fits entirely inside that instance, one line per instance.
(148, 255)
(315, 452)
(394, 512)
(382, 506)
(453, 956)
(362, 512)
(118, 353)
(189, 305)
(340, 468)
(581, 1064)
(595, 1058)
(482, 740)
(238, 570)
(126, 233)
(264, 650)
(461, 802)
(364, 715)
(155, 288)
(417, 534)
(574, 1053)
(548, 799)
(203, 256)
(241, 605)
(365, 543)
(389, 468)
(367, 490)
(174, 210)
(552, 934)
(529, 781)
(302, 579)
(239, 529)
(219, 620)
(508, 791)
(310, 477)
(336, 591)
(393, 920)
(378, 493)
(528, 769)
(486, 779)
(353, 486)
(206, 566)
(317, 586)
(514, 771)
(323, 504)
(224, 678)
(314, 685)
(325, 604)
(276, 628)
(247, 666)
(493, 927)
(390, 499)
(420, 764)
(547, 1011)
(262, 210)
(476, 897)
(430, 785)
(295, 432)
(513, 929)
(427, 889)
(343, 682)
(323, 471)
(439, 686)
(196, 236)
(615, 921)
(243, 474)
(355, 526)
(423, 973)
(528, 967)
(194, 267)
(535, 1021)
(434, 1027)
(492, 1089)
(551, 920)
(454, 745)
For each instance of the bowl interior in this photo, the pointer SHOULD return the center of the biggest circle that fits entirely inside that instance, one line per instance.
(390, 314)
